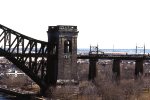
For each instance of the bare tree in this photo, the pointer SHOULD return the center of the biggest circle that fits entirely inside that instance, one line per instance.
(88, 91)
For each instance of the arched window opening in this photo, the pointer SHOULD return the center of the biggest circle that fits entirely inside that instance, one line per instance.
(67, 46)
(54, 50)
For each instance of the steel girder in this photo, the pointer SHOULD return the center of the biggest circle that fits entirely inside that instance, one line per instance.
(28, 54)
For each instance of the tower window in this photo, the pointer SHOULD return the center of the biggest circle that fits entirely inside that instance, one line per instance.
(54, 50)
(67, 46)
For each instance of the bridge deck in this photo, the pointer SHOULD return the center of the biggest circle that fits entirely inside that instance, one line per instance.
(119, 57)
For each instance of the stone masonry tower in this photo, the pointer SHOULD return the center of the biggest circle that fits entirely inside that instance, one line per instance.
(62, 57)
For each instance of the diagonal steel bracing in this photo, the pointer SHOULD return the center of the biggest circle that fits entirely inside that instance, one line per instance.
(28, 54)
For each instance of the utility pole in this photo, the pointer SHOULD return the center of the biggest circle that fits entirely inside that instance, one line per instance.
(113, 47)
(144, 48)
(136, 49)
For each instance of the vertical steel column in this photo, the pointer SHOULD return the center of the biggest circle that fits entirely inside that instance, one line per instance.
(138, 68)
(116, 68)
(92, 69)
(30, 59)
(42, 62)
(5, 40)
(23, 46)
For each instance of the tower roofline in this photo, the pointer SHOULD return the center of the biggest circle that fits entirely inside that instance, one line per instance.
(69, 28)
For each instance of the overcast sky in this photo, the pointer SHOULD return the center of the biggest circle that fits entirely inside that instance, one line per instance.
(122, 23)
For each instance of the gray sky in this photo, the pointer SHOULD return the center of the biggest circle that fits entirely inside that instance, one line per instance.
(121, 23)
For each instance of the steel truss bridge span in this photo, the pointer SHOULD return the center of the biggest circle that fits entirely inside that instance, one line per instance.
(28, 54)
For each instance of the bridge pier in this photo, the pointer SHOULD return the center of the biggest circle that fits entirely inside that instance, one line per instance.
(92, 69)
(139, 68)
(116, 68)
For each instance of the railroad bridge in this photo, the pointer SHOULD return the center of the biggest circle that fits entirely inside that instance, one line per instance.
(116, 58)
(47, 62)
